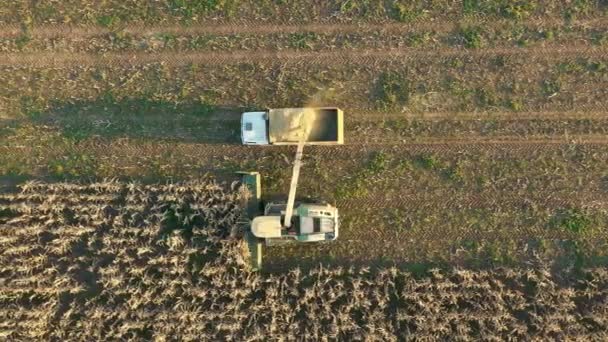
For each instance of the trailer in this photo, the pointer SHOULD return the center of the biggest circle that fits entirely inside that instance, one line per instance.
(289, 126)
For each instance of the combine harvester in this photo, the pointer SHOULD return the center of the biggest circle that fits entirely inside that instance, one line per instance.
(290, 222)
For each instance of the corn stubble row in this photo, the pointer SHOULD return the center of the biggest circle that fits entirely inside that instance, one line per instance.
(120, 261)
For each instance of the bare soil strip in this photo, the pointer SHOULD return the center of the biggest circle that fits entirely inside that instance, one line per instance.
(45, 59)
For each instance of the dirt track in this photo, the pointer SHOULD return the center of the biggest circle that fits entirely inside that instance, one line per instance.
(368, 57)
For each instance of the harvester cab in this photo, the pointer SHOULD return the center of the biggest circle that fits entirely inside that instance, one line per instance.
(310, 222)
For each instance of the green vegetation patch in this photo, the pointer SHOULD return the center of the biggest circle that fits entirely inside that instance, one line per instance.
(574, 220)
(428, 161)
(583, 66)
(189, 10)
(419, 39)
(109, 21)
(357, 185)
(510, 9)
(472, 37)
(32, 107)
(551, 87)
(302, 40)
(392, 90)
(408, 11)
(517, 9)
(577, 8)
(73, 165)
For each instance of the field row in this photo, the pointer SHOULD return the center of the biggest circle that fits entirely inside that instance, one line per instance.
(116, 13)
(145, 120)
(56, 153)
(237, 28)
(320, 37)
(434, 83)
(451, 224)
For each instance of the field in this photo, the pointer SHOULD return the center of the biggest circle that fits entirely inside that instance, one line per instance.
(126, 261)
(476, 131)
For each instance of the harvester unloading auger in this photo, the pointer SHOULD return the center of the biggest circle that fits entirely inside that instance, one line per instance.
(306, 222)
(291, 221)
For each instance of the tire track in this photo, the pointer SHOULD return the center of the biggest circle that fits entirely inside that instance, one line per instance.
(346, 152)
(498, 199)
(365, 114)
(363, 56)
(431, 145)
(359, 114)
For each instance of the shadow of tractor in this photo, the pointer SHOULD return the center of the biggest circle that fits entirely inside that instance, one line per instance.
(142, 118)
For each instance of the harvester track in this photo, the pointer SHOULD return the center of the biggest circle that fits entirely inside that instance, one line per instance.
(492, 200)
(365, 57)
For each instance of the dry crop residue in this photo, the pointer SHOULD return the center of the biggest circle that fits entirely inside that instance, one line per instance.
(114, 260)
